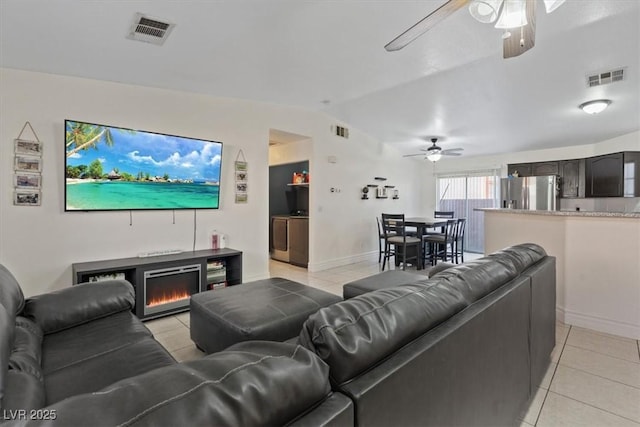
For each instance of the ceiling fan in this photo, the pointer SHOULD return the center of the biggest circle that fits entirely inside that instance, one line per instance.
(434, 153)
(515, 17)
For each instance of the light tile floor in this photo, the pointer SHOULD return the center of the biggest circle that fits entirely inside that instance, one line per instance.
(593, 380)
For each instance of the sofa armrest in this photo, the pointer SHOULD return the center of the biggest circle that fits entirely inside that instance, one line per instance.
(79, 304)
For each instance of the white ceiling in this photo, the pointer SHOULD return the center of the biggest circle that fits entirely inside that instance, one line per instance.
(452, 82)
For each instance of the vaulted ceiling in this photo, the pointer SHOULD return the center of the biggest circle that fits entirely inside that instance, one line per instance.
(328, 55)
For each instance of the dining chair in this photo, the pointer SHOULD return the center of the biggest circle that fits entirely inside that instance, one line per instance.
(444, 214)
(441, 245)
(381, 241)
(458, 240)
(395, 234)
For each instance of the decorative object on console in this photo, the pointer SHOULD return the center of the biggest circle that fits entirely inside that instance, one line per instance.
(28, 167)
(241, 178)
(111, 168)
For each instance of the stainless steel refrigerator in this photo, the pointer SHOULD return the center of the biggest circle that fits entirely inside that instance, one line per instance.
(530, 193)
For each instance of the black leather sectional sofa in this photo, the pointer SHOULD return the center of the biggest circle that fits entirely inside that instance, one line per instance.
(468, 346)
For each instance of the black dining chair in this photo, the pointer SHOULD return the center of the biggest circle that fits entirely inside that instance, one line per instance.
(382, 244)
(458, 240)
(444, 214)
(395, 235)
(440, 245)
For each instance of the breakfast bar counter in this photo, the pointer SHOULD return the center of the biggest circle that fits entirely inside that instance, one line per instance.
(564, 213)
(598, 261)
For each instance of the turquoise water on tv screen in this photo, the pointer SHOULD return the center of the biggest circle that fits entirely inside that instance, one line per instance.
(110, 195)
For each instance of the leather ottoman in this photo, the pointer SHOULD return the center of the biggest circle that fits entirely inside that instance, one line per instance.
(384, 280)
(271, 309)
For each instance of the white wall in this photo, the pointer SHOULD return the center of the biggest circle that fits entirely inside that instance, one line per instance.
(39, 244)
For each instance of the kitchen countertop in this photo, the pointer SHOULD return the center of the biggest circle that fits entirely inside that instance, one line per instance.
(564, 213)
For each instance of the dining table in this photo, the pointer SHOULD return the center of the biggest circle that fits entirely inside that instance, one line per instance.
(422, 224)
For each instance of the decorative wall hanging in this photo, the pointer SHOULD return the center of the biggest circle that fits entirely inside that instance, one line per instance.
(241, 167)
(28, 167)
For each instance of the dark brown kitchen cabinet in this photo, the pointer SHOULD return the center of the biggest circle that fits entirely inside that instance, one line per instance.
(299, 241)
(519, 169)
(544, 168)
(572, 178)
(604, 175)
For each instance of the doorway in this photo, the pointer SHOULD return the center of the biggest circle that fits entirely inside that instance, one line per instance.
(289, 197)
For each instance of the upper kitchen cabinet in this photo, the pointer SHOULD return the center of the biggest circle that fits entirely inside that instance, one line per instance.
(519, 169)
(604, 175)
(533, 169)
(572, 183)
(544, 168)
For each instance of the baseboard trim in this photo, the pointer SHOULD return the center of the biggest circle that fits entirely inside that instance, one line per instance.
(339, 262)
(596, 323)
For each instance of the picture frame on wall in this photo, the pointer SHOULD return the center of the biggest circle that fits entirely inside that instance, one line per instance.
(28, 164)
(27, 181)
(30, 148)
(26, 198)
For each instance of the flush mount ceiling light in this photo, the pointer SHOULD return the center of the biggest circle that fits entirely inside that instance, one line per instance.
(596, 106)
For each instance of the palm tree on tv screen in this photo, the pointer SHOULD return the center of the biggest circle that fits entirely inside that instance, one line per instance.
(82, 136)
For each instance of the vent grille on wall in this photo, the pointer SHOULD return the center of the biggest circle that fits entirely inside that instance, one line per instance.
(149, 30)
(605, 77)
(340, 131)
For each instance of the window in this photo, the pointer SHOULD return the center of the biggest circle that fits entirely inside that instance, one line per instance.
(465, 192)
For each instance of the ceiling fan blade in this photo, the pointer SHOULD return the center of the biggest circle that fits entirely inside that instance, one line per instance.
(454, 151)
(524, 38)
(425, 24)
(449, 153)
(413, 155)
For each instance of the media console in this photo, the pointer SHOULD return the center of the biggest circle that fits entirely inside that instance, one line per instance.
(164, 284)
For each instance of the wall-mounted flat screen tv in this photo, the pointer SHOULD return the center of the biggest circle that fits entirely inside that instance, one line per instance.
(111, 168)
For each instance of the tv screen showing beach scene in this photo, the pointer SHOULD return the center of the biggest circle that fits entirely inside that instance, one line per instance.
(112, 168)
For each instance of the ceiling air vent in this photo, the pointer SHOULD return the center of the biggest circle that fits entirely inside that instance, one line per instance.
(605, 77)
(149, 30)
(340, 131)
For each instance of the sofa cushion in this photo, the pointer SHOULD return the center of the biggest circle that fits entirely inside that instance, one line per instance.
(520, 257)
(27, 348)
(79, 304)
(101, 370)
(7, 333)
(11, 296)
(354, 335)
(251, 383)
(24, 392)
(90, 340)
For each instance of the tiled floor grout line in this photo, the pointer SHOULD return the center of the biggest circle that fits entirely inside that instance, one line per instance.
(564, 344)
(595, 407)
(599, 376)
(604, 354)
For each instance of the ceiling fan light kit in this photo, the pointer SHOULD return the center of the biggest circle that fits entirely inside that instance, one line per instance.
(485, 11)
(434, 157)
(509, 14)
(513, 15)
(551, 5)
(596, 106)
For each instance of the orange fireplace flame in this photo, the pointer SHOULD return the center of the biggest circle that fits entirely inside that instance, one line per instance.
(168, 297)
